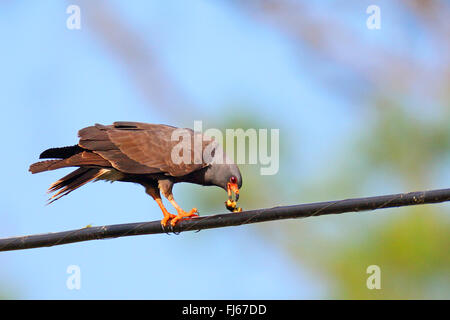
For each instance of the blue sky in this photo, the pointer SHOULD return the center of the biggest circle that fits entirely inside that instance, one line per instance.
(55, 81)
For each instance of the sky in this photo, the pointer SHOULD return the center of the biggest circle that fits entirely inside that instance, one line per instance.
(55, 81)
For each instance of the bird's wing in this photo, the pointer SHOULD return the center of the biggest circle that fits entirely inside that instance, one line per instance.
(138, 148)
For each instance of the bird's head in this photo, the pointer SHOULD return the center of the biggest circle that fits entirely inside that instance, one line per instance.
(228, 177)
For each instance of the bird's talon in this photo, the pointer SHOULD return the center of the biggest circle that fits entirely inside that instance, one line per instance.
(182, 215)
(173, 230)
(163, 227)
(165, 221)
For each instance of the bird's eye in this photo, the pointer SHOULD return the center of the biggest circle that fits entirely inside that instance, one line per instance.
(233, 179)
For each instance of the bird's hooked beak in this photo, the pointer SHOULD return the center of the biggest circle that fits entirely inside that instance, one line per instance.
(230, 203)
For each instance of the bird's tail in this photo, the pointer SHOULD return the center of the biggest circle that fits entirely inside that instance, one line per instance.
(55, 153)
(73, 156)
(73, 181)
(47, 165)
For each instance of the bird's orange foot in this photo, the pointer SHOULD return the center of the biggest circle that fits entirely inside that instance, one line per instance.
(183, 215)
(166, 218)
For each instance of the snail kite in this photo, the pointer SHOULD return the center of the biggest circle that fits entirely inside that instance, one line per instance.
(145, 154)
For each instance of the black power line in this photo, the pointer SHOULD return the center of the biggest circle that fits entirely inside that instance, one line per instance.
(227, 220)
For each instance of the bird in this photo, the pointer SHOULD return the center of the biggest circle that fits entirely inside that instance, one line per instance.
(146, 154)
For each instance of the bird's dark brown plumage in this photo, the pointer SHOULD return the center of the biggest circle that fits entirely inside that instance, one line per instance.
(135, 152)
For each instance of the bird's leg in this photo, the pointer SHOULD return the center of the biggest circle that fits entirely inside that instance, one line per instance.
(167, 214)
(154, 193)
(181, 213)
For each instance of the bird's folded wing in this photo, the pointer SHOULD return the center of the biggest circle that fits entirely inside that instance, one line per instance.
(138, 148)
